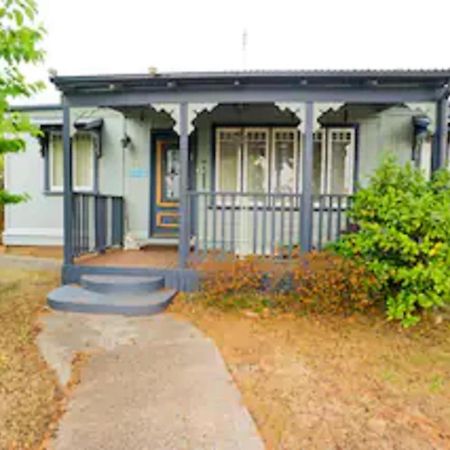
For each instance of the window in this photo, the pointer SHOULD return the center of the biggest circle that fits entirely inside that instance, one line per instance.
(284, 161)
(229, 146)
(171, 171)
(242, 159)
(318, 163)
(83, 162)
(341, 160)
(334, 155)
(243, 155)
(256, 150)
(56, 162)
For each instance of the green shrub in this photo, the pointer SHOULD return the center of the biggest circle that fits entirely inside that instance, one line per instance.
(403, 237)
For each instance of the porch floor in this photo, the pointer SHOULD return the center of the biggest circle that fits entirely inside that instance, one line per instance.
(154, 257)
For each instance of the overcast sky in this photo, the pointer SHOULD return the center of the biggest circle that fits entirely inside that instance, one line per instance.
(104, 36)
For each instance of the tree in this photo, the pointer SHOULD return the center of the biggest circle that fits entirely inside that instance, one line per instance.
(20, 39)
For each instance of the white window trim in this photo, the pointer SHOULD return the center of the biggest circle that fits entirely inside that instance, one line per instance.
(266, 131)
(76, 188)
(297, 158)
(51, 160)
(218, 174)
(326, 134)
(349, 159)
(90, 187)
(269, 167)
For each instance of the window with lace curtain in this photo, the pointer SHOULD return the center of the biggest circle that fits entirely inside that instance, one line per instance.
(259, 160)
(83, 162)
(334, 161)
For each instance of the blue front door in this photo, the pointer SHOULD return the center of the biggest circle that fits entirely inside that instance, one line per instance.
(166, 187)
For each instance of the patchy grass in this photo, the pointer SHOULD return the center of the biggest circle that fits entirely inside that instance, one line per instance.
(332, 382)
(29, 392)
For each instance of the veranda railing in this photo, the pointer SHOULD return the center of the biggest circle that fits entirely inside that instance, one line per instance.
(237, 223)
(98, 222)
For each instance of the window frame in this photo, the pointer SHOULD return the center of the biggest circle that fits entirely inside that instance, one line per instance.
(218, 151)
(244, 159)
(81, 188)
(297, 158)
(52, 188)
(322, 132)
(51, 161)
(349, 163)
(325, 131)
(242, 153)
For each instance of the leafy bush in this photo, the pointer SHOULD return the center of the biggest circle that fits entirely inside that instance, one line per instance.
(327, 282)
(319, 282)
(224, 277)
(403, 237)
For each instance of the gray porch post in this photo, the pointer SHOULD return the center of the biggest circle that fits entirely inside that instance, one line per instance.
(439, 155)
(68, 194)
(307, 169)
(183, 244)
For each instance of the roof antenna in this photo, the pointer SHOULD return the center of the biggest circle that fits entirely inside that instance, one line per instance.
(244, 49)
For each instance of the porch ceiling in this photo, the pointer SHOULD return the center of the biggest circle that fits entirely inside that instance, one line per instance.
(257, 86)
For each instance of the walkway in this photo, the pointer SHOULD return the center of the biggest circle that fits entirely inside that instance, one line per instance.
(149, 383)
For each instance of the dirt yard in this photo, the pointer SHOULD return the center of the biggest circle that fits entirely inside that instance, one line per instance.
(29, 394)
(336, 383)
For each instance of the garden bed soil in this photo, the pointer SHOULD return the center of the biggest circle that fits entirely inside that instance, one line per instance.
(30, 397)
(331, 382)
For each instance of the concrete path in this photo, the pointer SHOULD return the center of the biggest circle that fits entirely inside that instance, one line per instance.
(150, 383)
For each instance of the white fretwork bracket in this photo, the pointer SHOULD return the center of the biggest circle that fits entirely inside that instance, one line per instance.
(172, 109)
(296, 108)
(194, 109)
(299, 108)
(427, 109)
(322, 108)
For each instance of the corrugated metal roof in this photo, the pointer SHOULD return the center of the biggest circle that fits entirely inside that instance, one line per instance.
(359, 73)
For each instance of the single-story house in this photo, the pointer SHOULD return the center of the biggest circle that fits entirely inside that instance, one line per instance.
(181, 165)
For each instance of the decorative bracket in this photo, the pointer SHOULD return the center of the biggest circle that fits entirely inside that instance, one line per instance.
(295, 108)
(194, 109)
(172, 109)
(299, 108)
(321, 108)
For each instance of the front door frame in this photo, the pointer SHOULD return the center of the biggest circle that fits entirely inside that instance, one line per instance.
(155, 136)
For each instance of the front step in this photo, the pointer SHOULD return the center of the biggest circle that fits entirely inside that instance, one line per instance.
(121, 284)
(78, 299)
(113, 294)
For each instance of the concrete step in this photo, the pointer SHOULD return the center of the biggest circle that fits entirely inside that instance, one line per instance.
(121, 284)
(77, 299)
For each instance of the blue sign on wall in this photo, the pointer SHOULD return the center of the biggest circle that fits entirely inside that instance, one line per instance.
(138, 172)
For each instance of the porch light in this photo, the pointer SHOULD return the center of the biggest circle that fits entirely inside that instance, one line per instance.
(421, 134)
(125, 141)
(421, 124)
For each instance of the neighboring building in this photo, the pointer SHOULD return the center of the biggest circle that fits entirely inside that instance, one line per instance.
(253, 162)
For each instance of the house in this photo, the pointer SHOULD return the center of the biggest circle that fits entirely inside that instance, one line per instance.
(170, 167)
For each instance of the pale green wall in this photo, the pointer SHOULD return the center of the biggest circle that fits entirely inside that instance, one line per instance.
(380, 131)
(39, 221)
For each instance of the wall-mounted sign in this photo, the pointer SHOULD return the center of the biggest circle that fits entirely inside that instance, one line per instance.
(138, 172)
